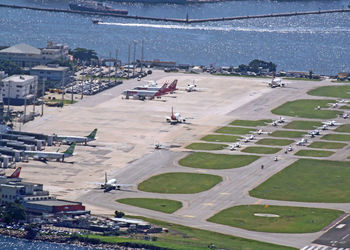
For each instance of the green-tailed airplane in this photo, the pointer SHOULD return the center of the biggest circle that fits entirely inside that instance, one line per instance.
(77, 139)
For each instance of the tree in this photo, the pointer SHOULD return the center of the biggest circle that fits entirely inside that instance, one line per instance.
(14, 212)
(32, 231)
(83, 54)
(256, 64)
(10, 68)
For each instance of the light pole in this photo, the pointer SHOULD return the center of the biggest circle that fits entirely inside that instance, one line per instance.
(134, 61)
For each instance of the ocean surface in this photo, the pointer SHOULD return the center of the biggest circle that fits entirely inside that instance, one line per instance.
(10, 243)
(315, 42)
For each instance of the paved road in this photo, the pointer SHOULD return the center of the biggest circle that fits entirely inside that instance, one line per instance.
(234, 188)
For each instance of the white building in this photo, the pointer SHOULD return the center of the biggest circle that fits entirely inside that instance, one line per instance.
(19, 88)
(26, 56)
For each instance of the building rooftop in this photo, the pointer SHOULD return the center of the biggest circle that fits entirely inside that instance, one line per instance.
(19, 78)
(54, 202)
(21, 48)
(50, 68)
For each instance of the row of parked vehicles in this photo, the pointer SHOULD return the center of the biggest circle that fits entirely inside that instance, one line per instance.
(90, 87)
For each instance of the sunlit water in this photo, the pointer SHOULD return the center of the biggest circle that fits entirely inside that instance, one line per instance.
(316, 42)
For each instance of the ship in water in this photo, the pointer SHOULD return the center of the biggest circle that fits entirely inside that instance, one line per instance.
(92, 6)
(158, 1)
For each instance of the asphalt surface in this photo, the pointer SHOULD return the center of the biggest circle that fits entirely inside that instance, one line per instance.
(197, 208)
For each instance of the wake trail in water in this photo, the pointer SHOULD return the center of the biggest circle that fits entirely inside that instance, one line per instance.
(228, 28)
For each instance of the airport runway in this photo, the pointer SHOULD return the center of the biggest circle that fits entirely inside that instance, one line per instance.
(125, 150)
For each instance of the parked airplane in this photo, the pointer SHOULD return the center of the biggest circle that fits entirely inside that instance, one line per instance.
(276, 82)
(15, 174)
(281, 120)
(234, 146)
(164, 89)
(330, 123)
(77, 139)
(260, 132)
(175, 118)
(142, 94)
(345, 115)
(45, 156)
(315, 132)
(302, 142)
(112, 184)
(323, 127)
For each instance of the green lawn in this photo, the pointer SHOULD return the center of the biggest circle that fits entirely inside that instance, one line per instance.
(341, 91)
(274, 142)
(161, 205)
(221, 138)
(184, 238)
(216, 161)
(234, 130)
(314, 153)
(345, 128)
(206, 146)
(306, 109)
(179, 183)
(250, 123)
(336, 137)
(345, 107)
(261, 150)
(288, 134)
(308, 180)
(303, 125)
(290, 220)
(327, 145)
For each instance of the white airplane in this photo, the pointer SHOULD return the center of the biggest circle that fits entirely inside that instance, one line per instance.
(112, 184)
(315, 132)
(281, 120)
(246, 139)
(191, 87)
(251, 137)
(234, 146)
(276, 82)
(260, 132)
(175, 118)
(151, 84)
(290, 148)
(45, 156)
(345, 115)
(77, 139)
(330, 123)
(302, 142)
(323, 127)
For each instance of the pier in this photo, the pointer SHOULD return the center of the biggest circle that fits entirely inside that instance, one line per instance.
(179, 20)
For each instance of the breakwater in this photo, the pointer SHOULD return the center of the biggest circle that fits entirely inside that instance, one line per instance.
(179, 20)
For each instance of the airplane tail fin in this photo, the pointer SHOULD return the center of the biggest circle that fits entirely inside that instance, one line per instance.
(173, 85)
(16, 173)
(106, 180)
(92, 134)
(70, 150)
(163, 87)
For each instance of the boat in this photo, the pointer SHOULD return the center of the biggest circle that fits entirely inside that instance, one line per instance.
(92, 6)
(96, 21)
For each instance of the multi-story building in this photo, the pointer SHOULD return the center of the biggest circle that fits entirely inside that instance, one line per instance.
(18, 89)
(53, 73)
(26, 56)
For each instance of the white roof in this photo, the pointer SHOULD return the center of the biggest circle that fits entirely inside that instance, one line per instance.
(18, 78)
(48, 68)
(21, 48)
